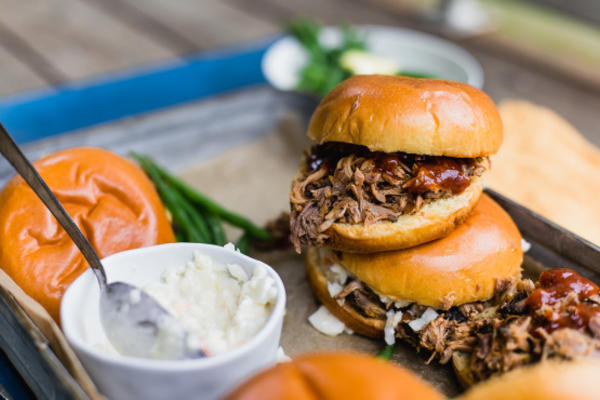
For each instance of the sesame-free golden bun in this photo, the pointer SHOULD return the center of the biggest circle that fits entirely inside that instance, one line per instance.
(434, 220)
(548, 380)
(418, 116)
(335, 376)
(110, 199)
(460, 268)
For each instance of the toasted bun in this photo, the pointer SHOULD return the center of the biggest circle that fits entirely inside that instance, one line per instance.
(418, 116)
(434, 220)
(548, 380)
(370, 327)
(460, 268)
(335, 376)
(110, 199)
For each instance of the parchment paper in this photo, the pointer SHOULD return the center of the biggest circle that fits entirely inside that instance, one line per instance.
(544, 163)
(255, 181)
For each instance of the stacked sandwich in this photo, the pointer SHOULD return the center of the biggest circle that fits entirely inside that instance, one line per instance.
(389, 206)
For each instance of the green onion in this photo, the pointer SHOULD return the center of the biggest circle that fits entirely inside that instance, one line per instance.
(386, 353)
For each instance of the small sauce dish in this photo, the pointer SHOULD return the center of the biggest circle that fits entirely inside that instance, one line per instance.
(123, 377)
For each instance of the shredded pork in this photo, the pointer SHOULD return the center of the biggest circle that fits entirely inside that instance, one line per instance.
(349, 184)
(498, 335)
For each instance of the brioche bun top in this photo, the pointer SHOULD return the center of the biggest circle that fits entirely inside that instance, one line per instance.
(460, 268)
(548, 380)
(335, 376)
(110, 199)
(418, 116)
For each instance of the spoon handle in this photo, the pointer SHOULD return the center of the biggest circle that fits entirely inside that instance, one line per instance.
(15, 156)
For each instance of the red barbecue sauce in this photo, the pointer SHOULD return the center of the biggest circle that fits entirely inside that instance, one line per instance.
(444, 174)
(555, 285)
(430, 173)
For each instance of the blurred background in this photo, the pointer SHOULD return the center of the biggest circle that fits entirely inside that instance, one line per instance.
(546, 51)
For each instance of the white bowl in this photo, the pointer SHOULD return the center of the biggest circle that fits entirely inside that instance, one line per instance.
(122, 377)
(412, 50)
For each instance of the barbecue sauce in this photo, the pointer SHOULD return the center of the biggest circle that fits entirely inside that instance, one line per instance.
(429, 173)
(555, 286)
(443, 174)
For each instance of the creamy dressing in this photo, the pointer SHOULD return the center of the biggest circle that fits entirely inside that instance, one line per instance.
(220, 305)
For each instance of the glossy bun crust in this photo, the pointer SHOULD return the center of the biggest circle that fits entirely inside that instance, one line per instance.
(460, 268)
(335, 376)
(548, 380)
(111, 200)
(417, 116)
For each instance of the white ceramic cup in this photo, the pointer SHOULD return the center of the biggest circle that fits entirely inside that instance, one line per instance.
(122, 377)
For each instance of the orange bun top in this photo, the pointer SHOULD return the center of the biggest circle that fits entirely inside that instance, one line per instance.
(333, 376)
(418, 116)
(110, 199)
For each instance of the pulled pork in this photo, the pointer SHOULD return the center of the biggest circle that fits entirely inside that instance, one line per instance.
(497, 335)
(346, 183)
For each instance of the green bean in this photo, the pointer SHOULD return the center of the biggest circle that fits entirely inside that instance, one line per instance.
(218, 233)
(172, 200)
(198, 221)
(386, 353)
(180, 236)
(211, 206)
(243, 243)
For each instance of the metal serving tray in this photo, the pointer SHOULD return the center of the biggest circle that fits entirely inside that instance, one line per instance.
(187, 135)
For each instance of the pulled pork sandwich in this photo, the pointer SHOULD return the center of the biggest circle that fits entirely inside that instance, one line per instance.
(394, 294)
(398, 162)
(335, 376)
(557, 318)
(462, 299)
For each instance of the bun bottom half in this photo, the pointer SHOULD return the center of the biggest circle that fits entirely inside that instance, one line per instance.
(370, 327)
(436, 219)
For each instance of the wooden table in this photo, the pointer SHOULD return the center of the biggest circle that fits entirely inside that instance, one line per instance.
(48, 42)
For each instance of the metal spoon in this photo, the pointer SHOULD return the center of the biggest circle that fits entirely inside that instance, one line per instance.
(134, 322)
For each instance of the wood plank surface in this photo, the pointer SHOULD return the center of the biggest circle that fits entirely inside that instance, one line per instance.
(326, 11)
(16, 76)
(199, 24)
(82, 38)
(79, 40)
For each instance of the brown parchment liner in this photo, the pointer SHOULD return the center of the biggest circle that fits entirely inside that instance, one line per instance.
(255, 180)
(56, 339)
